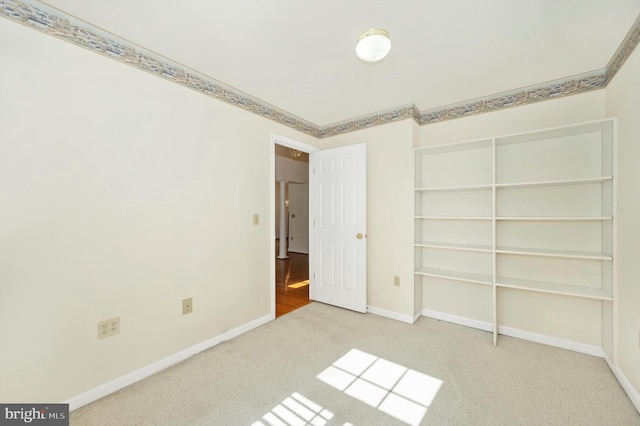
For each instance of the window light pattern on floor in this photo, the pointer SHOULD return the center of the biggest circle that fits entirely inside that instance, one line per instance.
(391, 388)
(296, 410)
(299, 284)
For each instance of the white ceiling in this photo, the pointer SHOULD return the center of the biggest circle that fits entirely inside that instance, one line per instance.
(298, 55)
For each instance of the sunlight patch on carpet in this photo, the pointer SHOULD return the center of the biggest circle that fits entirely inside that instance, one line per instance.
(299, 284)
(296, 410)
(391, 388)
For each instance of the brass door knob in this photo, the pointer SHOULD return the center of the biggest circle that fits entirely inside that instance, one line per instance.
(359, 236)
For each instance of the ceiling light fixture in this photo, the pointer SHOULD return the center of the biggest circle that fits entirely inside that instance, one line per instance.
(373, 45)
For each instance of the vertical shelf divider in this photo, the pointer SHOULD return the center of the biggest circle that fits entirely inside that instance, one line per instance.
(494, 243)
(614, 243)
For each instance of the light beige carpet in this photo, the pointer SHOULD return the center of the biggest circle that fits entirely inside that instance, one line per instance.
(272, 372)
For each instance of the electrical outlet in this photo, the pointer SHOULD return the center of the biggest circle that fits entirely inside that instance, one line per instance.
(396, 281)
(187, 306)
(108, 328)
(256, 219)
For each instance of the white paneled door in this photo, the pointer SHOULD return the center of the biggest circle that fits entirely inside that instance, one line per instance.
(339, 219)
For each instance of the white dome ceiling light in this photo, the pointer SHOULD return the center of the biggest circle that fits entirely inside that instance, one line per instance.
(373, 45)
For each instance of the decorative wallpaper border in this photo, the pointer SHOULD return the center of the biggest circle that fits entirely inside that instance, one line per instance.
(372, 120)
(624, 51)
(531, 94)
(53, 22)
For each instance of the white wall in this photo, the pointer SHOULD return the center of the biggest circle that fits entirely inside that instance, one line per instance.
(121, 194)
(389, 213)
(538, 313)
(623, 101)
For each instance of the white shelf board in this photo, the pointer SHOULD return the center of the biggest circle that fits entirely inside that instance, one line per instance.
(455, 188)
(555, 182)
(453, 147)
(555, 218)
(559, 182)
(455, 217)
(554, 288)
(555, 132)
(451, 246)
(456, 275)
(554, 253)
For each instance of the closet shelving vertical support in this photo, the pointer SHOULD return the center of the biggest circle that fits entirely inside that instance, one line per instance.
(494, 289)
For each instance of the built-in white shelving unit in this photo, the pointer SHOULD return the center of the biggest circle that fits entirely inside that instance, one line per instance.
(533, 212)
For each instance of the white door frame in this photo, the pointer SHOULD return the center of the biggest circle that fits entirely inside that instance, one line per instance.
(289, 143)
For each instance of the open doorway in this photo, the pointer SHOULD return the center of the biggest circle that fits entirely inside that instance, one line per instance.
(291, 217)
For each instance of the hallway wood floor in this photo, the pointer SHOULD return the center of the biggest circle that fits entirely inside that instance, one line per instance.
(292, 272)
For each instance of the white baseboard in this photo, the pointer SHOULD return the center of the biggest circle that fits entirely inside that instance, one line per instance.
(481, 325)
(596, 351)
(390, 314)
(633, 394)
(290, 250)
(520, 334)
(144, 372)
